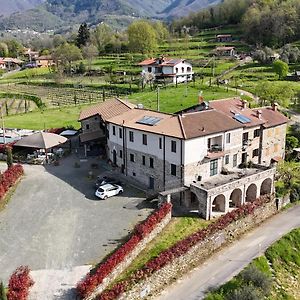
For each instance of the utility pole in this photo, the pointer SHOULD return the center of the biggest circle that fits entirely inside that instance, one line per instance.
(3, 127)
(157, 98)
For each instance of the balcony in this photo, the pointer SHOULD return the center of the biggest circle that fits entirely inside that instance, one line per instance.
(215, 151)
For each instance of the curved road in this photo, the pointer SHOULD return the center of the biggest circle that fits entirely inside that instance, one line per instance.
(228, 262)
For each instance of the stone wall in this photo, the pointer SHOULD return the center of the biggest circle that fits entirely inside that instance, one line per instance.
(150, 288)
(130, 257)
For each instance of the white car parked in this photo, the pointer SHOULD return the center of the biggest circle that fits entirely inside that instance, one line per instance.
(108, 190)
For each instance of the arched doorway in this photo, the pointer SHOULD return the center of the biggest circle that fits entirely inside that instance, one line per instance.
(218, 204)
(251, 193)
(114, 157)
(236, 198)
(266, 187)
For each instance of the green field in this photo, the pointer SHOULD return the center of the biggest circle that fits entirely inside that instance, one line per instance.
(51, 118)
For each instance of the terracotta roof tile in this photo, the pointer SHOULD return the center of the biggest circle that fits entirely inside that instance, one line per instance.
(233, 106)
(272, 117)
(168, 125)
(107, 109)
(206, 122)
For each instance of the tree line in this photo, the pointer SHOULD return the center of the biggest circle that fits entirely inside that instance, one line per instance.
(264, 22)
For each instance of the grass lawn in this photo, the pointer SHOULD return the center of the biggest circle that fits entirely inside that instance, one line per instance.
(176, 230)
(51, 118)
(173, 99)
(28, 73)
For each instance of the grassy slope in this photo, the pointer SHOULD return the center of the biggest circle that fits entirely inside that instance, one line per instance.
(282, 262)
(177, 229)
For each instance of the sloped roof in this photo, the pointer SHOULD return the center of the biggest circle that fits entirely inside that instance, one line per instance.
(165, 61)
(168, 124)
(106, 109)
(272, 117)
(201, 123)
(234, 106)
(224, 48)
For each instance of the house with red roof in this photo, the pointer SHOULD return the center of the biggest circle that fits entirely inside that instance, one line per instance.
(174, 70)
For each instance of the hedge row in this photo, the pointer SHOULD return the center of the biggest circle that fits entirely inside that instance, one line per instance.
(180, 248)
(19, 284)
(86, 286)
(9, 177)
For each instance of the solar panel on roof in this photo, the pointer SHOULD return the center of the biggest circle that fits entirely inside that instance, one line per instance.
(242, 119)
(148, 120)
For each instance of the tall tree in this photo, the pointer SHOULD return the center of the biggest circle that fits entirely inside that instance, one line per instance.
(3, 50)
(102, 36)
(142, 37)
(83, 35)
(281, 68)
(65, 54)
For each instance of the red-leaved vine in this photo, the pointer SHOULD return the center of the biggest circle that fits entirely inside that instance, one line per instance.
(9, 177)
(181, 247)
(19, 284)
(93, 279)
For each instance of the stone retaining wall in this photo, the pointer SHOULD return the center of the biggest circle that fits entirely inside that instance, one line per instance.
(130, 257)
(149, 288)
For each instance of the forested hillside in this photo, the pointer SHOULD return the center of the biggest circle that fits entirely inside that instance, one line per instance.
(269, 22)
(11, 6)
(70, 12)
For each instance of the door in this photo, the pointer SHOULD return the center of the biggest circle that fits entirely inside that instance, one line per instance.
(151, 183)
(114, 157)
(244, 157)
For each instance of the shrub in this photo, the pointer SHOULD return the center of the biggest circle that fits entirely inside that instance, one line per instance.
(246, 292)
(253, 276)
(2, 292)
(96, 277)
(19, 284)
(9, 178)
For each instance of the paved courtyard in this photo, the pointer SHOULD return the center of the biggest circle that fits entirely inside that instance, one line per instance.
(54, 221)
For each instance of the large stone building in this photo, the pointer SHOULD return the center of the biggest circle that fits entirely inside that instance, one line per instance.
(214, 156)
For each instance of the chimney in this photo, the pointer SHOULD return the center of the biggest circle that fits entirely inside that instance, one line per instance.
(274, 106)
(244, 104)
(258, 114)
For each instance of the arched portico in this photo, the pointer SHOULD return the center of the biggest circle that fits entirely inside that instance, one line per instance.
(251, 193)
(266, 187)
(235, 199)
(219, 204)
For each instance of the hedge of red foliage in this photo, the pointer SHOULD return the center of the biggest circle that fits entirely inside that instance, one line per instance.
(19, 284)
(3, 147)
(94, 278)
(181, 248)
(9, 177)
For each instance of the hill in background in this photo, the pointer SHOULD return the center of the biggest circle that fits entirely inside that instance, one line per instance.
(53, 14)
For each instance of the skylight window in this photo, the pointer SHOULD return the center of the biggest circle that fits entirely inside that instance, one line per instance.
(242, 119)
(148, 120)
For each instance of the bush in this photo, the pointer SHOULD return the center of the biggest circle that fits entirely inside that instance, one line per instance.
(9, 178)
(2, 292)
(253, 276)
(246, 292)
(19, 284)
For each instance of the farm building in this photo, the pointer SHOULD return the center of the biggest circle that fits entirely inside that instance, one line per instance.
(223, 38)
(225, 51)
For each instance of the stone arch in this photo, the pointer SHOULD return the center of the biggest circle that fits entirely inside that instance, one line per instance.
(236, 198)
(266, 187)
(251, 193)
(219, 204)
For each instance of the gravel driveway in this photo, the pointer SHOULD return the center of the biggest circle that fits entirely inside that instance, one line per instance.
(53, 220)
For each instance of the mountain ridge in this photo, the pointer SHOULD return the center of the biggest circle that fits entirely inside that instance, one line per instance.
(53, 14)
